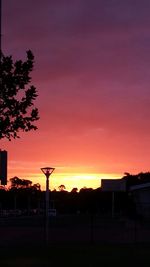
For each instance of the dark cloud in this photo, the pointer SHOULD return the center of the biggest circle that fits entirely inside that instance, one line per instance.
(104, 45)
(73, 18)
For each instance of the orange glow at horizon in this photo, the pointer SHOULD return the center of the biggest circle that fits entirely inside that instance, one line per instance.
(70, 180)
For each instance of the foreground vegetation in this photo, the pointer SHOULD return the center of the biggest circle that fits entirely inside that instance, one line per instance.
(77, 255)
(24, 198)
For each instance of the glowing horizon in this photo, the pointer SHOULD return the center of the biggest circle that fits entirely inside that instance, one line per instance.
(70, 176)
(70, 180)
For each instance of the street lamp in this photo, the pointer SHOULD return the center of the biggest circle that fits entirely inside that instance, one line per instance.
(47, 171)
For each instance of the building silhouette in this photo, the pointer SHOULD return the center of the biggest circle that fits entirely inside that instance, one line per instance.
(3, 167)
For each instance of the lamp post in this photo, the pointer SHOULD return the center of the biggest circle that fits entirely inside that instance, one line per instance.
(47, 171)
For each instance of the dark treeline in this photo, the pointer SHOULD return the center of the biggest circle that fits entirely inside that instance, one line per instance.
(29, 199)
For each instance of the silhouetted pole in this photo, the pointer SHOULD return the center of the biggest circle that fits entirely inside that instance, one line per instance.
(47, 171)
(0, 26)
(91, 228)
(113, 204)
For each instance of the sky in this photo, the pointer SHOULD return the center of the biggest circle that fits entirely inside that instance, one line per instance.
(92, 73)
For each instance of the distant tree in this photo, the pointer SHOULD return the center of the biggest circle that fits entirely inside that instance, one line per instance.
(86, 190)
(37, 187)
(17, 111)
(74, 190)
(26, 183)
(15, 182)
(135, 179)
(54, 190)
(20, 183)
(127, 174)
(61, 187)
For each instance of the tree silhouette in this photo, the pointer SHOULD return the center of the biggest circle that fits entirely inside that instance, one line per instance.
(36, 186)
(74, 190)
(15, 182)
(20, 183)
(61, 187)
(135, 179)
(17, 111)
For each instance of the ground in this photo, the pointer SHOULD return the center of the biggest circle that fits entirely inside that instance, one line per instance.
(73, 241)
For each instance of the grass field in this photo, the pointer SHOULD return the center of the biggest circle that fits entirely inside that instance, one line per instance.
(77, 255)
(22, 243)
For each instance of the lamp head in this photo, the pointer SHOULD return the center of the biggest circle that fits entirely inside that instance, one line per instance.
(47, 171)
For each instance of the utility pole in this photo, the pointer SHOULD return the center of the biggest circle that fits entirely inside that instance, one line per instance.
(47, 171)
(0, 26)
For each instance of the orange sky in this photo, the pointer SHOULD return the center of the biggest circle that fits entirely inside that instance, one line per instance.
(92, 75)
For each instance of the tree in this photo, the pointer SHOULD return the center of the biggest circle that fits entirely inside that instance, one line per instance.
(20, 183)
(15, 182)
(26, 183)
(74, 190)
(17, 111)
(36, 187)
(61, 187)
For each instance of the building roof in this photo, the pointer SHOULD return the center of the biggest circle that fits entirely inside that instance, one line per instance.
(139, 186)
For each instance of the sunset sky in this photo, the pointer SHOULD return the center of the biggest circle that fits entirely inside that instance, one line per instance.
(92, 73)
